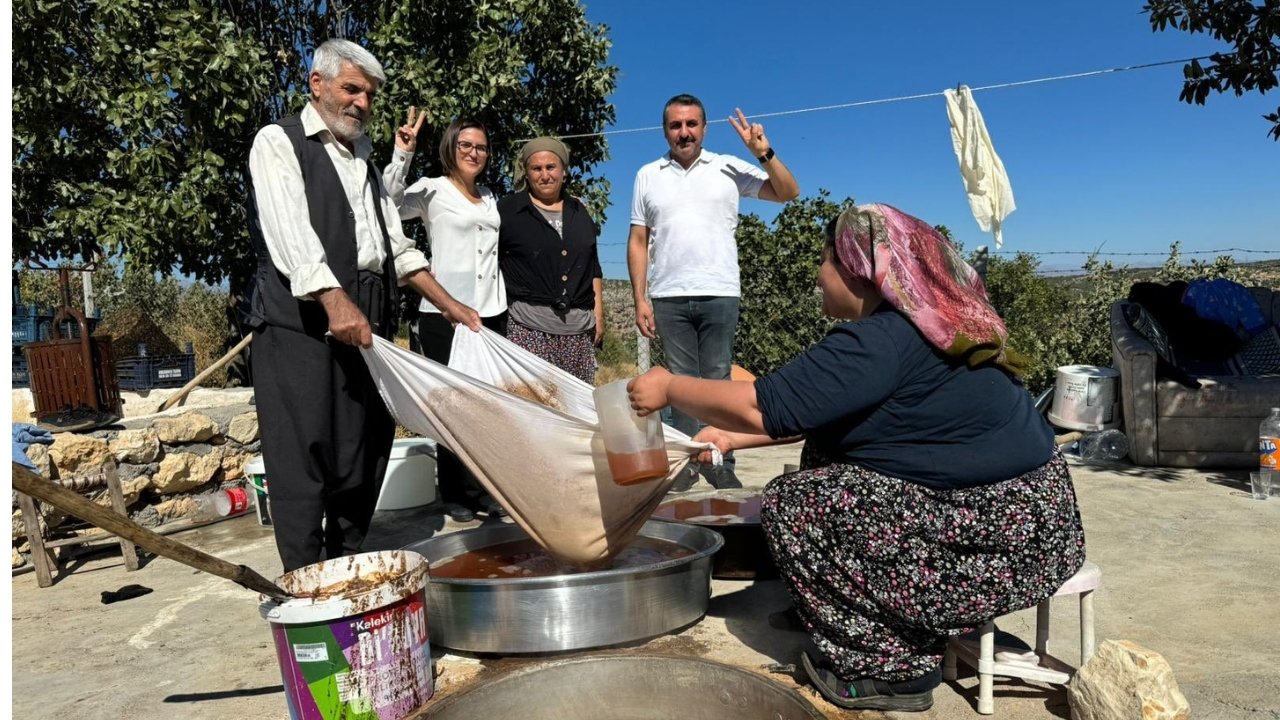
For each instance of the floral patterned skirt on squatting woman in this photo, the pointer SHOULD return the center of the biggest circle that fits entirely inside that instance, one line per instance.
(575, 354)
(882, 570)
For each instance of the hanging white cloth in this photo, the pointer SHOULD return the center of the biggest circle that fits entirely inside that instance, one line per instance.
(529, 433)
(985, 181)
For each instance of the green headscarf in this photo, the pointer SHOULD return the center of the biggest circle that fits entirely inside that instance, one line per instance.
(537, 145)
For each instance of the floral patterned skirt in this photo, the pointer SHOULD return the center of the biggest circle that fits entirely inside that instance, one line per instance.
(882, 570)
(575, 354)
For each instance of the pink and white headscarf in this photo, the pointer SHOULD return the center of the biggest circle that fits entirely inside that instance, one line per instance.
(921, 274)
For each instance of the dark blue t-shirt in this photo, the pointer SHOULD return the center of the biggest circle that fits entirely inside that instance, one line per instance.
(877, 394)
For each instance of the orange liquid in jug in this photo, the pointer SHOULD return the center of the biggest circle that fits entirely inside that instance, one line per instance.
(632, 468)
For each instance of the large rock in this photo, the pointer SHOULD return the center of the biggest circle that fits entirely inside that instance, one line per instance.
(1125, 681)
(185, 428)
(180, 472)
(131, 489)
(18, 560)
(80, 455)
(136, 446)
(39, 456)
(233, 464)
(243, 428)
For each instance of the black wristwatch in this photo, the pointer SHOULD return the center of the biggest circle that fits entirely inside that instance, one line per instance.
(767, 156)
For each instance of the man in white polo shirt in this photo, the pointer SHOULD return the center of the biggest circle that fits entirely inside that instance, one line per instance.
(685, 205)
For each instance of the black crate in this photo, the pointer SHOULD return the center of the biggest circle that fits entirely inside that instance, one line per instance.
(155, 371)
(33, 328)
(21, 377)
(26, 328)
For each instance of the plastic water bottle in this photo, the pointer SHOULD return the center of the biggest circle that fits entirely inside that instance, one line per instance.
(1104, 445)
(222, 503)
(1268, 440)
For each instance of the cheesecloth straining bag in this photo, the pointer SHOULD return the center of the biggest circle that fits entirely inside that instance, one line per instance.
(528, 431)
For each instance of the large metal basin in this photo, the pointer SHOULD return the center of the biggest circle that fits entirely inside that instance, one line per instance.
(628, 688)
(566, 612)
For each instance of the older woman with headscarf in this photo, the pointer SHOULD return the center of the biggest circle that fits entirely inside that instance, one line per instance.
(547, 252)
(931, 496)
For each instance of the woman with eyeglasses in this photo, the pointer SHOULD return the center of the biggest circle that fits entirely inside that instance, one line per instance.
(547, 247)
(461, 219)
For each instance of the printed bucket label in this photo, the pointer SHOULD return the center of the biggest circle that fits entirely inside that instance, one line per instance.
(375, 666)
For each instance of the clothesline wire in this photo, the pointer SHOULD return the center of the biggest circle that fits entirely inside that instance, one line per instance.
(1011, 253)
(901, 98)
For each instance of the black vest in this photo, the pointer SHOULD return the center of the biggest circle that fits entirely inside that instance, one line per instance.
(332, 218)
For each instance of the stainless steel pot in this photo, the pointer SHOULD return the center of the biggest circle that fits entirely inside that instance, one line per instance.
(566, 612)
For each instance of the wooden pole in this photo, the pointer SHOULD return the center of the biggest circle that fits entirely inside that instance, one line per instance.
(175, 398)
(25, 481)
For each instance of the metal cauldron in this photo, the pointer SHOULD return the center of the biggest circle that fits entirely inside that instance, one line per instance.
(566, 612)
(629, 688)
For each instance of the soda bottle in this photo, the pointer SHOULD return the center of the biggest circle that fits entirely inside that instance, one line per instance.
(222, 503)
(1268, 439)
(1104, 445)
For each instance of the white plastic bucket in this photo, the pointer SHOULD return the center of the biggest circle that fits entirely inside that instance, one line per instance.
(256, 472)
(411, 475)
(362, 652)
(1084, 398)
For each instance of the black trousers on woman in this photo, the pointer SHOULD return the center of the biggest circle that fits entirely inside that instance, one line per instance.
(454, 482)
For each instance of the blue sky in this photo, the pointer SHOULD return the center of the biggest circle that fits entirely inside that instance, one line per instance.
(1114, 161)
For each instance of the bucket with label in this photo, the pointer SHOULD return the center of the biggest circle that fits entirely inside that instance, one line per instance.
(353, 644)
(1084, 398)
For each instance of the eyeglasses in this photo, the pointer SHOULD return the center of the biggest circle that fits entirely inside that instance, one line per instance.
(466, 147)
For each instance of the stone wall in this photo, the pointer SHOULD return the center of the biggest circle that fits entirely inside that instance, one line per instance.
(163, 462)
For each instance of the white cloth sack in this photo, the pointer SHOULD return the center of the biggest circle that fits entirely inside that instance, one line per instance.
(543, 461)
(985, 181)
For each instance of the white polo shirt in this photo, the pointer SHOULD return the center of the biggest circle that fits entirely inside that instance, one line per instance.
(463, 236)
(692, 216)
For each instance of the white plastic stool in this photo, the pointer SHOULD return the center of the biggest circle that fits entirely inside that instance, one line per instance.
(991, 660)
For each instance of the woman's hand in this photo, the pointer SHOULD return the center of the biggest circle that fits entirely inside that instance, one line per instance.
(648, 393)
(407, 134)
(714, 435)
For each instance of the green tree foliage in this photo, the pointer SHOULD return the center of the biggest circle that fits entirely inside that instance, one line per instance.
(133, 120)
(524, 68)
(1030, 305)
(781, 314)
(1251, 28)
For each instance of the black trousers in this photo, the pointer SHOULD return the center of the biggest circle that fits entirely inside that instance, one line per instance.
(453, 481)
(326, 437)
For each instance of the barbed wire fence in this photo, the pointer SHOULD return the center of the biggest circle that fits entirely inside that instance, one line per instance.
(781, 314)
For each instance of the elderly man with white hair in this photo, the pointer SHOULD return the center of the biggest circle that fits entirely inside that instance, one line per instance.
(330, 255)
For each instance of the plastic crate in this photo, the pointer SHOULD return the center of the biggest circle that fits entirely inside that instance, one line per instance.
(155, 371)
(34, 328)
(21, 376)
(26, 329)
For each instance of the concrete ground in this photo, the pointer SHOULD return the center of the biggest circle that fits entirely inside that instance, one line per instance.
(1189, 565)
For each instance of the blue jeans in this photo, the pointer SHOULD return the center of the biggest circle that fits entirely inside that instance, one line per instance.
(697, 339)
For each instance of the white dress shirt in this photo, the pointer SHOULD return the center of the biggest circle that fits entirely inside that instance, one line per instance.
(692, 216)
(463, 236)
(281, 197)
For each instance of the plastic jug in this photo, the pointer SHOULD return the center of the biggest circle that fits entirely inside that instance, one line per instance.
(634, 445)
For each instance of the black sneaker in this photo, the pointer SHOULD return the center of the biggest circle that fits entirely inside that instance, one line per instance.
(459, 513)
(722, 478)
(685, 480)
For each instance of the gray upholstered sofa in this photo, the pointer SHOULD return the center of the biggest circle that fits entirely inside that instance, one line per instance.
(1169, 423)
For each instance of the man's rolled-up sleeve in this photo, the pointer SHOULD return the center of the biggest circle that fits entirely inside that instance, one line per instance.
(281, 200)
